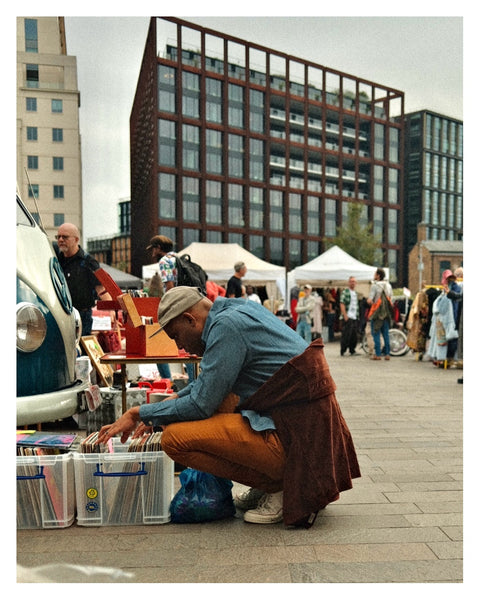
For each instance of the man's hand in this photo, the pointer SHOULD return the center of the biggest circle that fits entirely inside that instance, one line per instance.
(125, 425)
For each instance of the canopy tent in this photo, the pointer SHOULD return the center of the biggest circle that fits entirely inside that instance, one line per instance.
(218, 260)
(122, 279)
(332, 268)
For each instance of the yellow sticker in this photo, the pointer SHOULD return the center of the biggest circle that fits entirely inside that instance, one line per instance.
(92, 493)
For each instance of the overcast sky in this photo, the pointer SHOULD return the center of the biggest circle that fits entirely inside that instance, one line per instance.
(421, 56)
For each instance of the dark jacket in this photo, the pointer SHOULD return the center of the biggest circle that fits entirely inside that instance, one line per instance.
(320, 456)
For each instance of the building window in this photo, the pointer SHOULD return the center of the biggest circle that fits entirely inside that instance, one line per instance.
(379, 142)
(277, 255)
(378, 221)
(235, 106)
(313, 249)
(235, 205)
(170, 232)
(392, 258)
(392, 226)
(235, 156)
(213, 202)
(191, 147)
(32, 162)
(428, 169)
(57, 106)
(295, 253)
(190, 236)
(166, 143)
(295, 213)
(213, 160)
(166, 89)
(31, 104)
(313, 215)
(31, 35)
(330, 218)
(167, 196)
(257, 246)
(213, 102)
(257, 208)
(58, 163)
(33, 190)
(32, 76)
(58, 192)
(393, 145)
(58, 219)
(256, 160)
(276, 210)
(213, 237)
(392, 186)
(378, 183)
(32, 134)
(257, 101)
(191, 200)
(57, 135)
(191, 95)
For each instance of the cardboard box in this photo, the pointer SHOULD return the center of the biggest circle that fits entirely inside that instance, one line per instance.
(139, 339)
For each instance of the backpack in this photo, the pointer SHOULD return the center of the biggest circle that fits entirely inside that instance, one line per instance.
(191, 274)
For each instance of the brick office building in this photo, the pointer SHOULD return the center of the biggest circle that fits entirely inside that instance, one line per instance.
(235, 142)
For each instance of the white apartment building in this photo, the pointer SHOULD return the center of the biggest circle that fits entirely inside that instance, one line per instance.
(49, 166)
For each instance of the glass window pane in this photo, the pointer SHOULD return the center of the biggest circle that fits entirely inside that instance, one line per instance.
(57, 106)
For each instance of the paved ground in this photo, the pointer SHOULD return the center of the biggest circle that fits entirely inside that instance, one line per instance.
(401, 522)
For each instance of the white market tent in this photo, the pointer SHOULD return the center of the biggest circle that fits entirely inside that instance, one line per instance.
(218, 260)
(332, 268)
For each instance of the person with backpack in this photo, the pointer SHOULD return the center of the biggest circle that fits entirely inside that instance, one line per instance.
(78, 267)
(381, 313)
(174, 269)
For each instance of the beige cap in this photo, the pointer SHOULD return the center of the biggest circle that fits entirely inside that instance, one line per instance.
(307, 286)
(176, 301)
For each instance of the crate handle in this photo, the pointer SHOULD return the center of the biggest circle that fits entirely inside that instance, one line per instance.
(40, 475)
(141, 471)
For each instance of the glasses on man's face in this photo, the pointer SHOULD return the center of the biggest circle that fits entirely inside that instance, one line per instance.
(62, 237)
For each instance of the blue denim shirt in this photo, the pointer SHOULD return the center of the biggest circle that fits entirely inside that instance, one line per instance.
(245, 344)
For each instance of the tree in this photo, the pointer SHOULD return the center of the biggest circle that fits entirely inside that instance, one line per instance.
(356, 239)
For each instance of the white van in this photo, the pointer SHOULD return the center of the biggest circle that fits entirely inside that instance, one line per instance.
(48, 330)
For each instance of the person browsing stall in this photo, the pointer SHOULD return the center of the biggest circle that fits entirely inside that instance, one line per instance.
(246, 350)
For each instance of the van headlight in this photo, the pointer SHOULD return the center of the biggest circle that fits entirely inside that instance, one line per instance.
(31, 327)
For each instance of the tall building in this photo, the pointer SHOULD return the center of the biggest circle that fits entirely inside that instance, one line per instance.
(433, 182)
(48, 138)
(235, 142)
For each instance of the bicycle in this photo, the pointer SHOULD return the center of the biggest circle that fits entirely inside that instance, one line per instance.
(398, 342)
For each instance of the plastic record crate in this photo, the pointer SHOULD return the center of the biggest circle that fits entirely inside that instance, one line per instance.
(45, 491)
(123, 488)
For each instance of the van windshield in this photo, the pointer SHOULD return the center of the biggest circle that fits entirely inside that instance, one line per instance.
(23, 218)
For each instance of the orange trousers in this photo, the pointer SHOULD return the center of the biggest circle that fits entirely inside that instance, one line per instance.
(225, 445)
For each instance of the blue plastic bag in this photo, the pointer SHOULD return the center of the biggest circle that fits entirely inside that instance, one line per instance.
(202, 497)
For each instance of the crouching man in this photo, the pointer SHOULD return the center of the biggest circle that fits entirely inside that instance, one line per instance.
(286, 437)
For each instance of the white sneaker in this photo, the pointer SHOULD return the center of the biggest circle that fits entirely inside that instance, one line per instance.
(248, 499)
(269, 510)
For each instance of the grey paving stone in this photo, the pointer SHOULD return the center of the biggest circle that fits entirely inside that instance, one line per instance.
(401, 522)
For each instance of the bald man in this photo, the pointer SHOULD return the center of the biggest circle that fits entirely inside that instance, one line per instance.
(78, 267)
